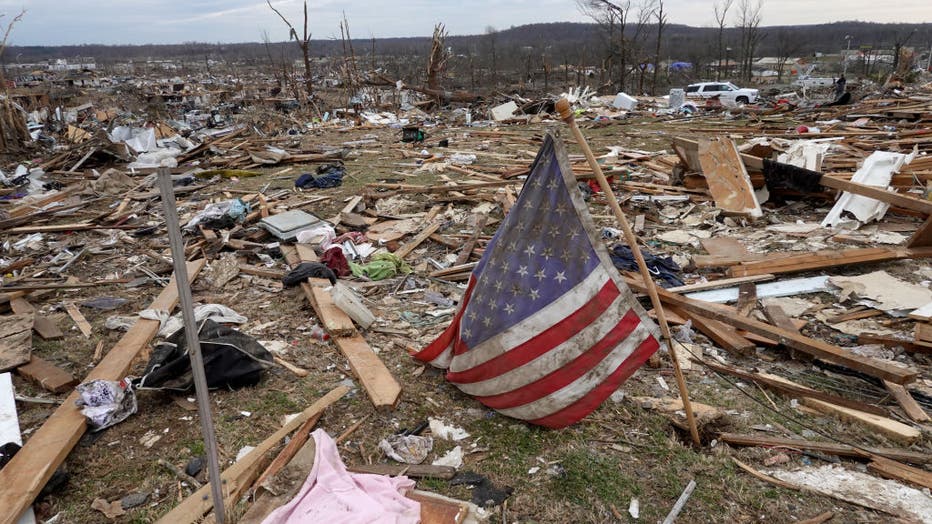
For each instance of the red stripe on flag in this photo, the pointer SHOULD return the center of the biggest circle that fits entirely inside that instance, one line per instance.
(567, 374)
(543, 341)
(587, 404)
(436, 348)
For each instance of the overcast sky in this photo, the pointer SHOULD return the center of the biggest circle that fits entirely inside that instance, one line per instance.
(55, 22)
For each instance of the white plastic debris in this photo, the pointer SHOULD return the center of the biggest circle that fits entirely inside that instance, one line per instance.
(442, 431)
(453, 458)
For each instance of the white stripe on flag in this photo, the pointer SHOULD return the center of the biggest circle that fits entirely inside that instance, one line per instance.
(528, 328)
(553, 359)
(443, 359)
(573, 392)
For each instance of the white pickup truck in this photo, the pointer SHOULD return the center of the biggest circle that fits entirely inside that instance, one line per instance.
(725, 91)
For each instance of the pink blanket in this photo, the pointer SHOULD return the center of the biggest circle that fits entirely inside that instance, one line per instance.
(332, 495)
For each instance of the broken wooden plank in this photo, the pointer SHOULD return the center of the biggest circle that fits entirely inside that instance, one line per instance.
(831, 448)
(306, 253)
(727, 177)
(256, 271)
(42, 325)
(889, 427)
(470, 244)
(923, 332)
(824, 259)
(382, 388)
(747, 298)
(892, 469)
(406, 249)
(906, 401)
(49, 376)
(27, 472)
(240, 476)
(718, 284)
(908, 346)
(15, 340)
(78, 319)
(816, 348)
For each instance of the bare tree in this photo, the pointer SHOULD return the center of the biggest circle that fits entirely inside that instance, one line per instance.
(304, 43)
(437, 60)
(491, 36)
(748, 21)
(721, 14)
(787, 46)
(661, 18)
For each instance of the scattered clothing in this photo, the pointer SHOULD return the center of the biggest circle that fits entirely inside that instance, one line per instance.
(306, 270)
(232, 359)
(332, 494)
(336, 261)
(382, 266)
(663, 268)
(328, 175)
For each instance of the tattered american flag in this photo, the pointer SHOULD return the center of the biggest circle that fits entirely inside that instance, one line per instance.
(546, 330)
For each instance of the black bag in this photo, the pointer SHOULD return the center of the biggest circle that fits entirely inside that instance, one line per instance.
(232, 359)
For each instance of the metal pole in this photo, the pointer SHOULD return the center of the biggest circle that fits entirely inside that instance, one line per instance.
(191, 338)
(566, 114)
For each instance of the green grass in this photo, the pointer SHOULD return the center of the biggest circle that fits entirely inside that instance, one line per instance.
(592, 478)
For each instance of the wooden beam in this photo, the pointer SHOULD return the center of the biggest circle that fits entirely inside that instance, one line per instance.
(331, 317)
(816, 348)
(831, 448)
(824, 259)
(240, 476)
(906, 401)
(406, 249)
(888, 427)
(718, 284)
(892, 469)
(79, 319)
(470, 244)
(47, 375)
(26, 474)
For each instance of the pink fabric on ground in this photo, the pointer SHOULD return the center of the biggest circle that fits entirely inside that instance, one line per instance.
(332, 495)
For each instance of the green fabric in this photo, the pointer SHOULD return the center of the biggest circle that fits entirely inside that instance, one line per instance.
(382, 266)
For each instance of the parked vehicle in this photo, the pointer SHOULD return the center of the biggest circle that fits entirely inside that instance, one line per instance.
(726, 91)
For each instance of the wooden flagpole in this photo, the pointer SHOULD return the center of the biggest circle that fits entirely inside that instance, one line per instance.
(566, 114)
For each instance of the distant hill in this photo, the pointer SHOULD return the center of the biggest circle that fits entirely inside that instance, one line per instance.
(573, 42)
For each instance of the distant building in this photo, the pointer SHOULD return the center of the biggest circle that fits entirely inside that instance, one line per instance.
(74, 64)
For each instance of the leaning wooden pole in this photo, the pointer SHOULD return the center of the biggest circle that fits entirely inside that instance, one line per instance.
(566, 114)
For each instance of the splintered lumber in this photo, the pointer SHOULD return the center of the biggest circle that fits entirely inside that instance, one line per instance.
(49, 376)
(381, 387)
(240, 476)
(824, 259)
(816, 348)
(78, 318)
(831, 448)
(923, 332)
(28, 471)
(892, 469)
(727, 177)
(923, 236)
(470, 244)
(15, 340)
(785, 386)
(906, 401)
(275, 274)
(908, 346)
(718, 284)
(406, 249)
(725, 336)
(290, 450)
(411, 470)
(747, 298)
